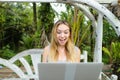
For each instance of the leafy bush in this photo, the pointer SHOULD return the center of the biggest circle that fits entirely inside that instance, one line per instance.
(114, 57)
(6, 52)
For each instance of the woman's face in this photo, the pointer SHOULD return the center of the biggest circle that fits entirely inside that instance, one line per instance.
(63, 34)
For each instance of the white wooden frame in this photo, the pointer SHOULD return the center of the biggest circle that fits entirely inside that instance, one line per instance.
(35, 55)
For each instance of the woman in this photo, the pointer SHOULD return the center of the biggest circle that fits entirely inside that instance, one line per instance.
(61, 48)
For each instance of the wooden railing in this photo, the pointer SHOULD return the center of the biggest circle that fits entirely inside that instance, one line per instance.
(35, 56)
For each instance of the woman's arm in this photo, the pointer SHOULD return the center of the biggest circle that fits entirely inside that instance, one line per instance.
(78, 54)
(45, 54)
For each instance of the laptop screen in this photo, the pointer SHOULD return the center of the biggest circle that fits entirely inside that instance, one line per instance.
(69, 71)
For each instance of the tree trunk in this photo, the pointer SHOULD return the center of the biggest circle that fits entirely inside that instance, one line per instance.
(34, 16)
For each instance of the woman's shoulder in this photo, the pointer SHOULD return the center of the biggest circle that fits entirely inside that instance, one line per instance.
(45, 53)
(47, 47)
(46, 50)
(77, 48)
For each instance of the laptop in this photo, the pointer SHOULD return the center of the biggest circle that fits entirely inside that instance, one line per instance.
(69, 71)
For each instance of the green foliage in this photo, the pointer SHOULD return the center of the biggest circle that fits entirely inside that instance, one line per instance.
(88, 49)
(107, 56)
(27, 41)
(116, 51)
(80, 26)
(113, 56)
(46, 16)
(109, 34)
(113, 52)
(17, 29)
(6, 53)
(16, 26)
(14, 23)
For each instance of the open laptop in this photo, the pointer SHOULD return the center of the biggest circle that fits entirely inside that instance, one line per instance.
(69, 71)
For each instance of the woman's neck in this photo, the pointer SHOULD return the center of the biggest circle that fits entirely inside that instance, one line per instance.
(61, 48)
(62, 54)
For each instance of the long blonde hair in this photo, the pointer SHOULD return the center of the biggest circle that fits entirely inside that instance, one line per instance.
(70, 48)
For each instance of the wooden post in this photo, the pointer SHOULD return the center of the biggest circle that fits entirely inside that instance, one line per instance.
(98, 42)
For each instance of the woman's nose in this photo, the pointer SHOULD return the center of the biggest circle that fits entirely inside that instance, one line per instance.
(62, 34)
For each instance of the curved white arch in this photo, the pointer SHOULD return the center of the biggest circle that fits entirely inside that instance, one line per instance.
(107, 14)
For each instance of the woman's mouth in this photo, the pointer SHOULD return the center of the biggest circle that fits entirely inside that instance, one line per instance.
(62, 41)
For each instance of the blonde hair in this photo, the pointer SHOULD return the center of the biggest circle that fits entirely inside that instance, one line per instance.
(70, 48)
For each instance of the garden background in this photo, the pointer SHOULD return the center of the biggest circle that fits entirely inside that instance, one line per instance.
(28, 25)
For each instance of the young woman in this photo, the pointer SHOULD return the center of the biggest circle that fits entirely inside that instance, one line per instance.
(61, 48)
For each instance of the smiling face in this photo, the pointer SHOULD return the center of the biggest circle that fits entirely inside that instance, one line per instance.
(62, 34)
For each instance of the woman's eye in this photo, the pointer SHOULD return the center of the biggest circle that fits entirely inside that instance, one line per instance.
(58, 32)
(66, 32)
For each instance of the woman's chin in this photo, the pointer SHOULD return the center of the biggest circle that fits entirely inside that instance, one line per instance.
(62, 44)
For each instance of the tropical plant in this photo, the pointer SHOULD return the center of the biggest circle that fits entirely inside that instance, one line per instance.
(80, 26)
(113, 54)
(46, 18)
(109, 34)
(14, 22)
(6, 52)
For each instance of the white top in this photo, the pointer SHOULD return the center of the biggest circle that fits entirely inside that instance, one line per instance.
(63, 60)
